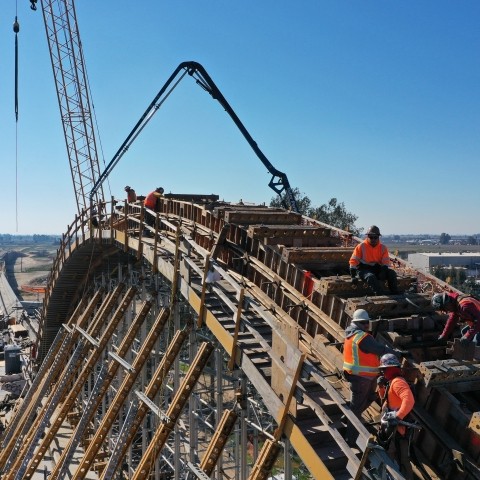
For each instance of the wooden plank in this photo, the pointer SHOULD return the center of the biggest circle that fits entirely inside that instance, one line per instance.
(440, 372)
(474, 424)
(219, 211)
(342, 285)
(192, 197)
(317, 255)
(304, 231)
(391, 305)
(305, 242)
(461, 352)
(264, 217)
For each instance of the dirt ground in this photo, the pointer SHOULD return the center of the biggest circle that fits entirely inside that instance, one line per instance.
(28, 266)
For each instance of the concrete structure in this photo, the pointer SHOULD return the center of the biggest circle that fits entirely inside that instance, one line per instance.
(425, 261)
(10, 306)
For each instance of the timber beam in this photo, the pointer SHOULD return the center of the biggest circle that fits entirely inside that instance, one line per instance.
(444, 372)
(173, 413)
(293, 235)
(219, 439)
(390, 305)
(317, 255)
(260, 217)
(278, 231)
(192, 197)
(342, 285)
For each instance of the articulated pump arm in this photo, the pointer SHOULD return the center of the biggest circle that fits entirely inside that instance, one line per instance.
(279, 182)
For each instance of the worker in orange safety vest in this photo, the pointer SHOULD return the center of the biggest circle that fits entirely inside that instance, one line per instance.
(361, 353)
(397, 402)
(152, 203)
(370, 262)
(151, 200)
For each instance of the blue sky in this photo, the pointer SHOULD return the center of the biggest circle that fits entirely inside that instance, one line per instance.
(376, 103)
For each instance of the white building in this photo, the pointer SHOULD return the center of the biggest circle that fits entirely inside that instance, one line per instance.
(425, 261)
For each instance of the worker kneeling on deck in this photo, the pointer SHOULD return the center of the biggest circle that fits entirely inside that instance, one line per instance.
(461, 308)
(361, 353)
(370, 261)
(397, 402)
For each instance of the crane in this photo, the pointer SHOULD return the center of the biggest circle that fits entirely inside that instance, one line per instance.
(71, 84)
(279, 181)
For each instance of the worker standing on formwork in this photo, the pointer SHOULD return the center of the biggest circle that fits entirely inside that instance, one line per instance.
(361, 353)
(131, 195)
(152, 203)
(397, 402)
(370, 261)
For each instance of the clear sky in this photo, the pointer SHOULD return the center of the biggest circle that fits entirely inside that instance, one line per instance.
(376, 103)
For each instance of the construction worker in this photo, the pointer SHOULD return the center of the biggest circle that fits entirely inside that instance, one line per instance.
(370, 262)
(361, 353)
(151, 200)
(152, 203)
(397, 402)
(461, 308)
(131, 195)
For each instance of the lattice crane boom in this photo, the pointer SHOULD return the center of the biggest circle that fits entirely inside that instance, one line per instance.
(71, 84)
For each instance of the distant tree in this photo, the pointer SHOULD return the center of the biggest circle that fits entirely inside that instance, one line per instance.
(472, 241)
(333, 213)
(471, 287)
(444, 238)
(460, 277)
(303, 202)
(439, 272)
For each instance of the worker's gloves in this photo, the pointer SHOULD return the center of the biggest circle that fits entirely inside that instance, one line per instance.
(390, 418)
(382, 381)
(465, 341)
(353, 274)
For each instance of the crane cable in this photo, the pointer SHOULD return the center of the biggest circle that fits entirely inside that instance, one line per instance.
(16, 29)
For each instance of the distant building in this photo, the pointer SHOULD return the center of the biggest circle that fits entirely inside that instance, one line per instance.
(426, 261)
(428, 241)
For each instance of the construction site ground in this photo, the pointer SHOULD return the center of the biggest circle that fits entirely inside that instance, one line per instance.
(28, 265)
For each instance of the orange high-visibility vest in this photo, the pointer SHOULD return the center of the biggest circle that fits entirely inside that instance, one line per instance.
(401, 399)
(368, 255)
(357, 362)
(151, 200)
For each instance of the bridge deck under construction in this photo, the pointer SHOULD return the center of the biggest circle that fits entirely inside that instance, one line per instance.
(209, 346)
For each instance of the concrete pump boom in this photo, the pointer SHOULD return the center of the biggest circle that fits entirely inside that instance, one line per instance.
(279, 181)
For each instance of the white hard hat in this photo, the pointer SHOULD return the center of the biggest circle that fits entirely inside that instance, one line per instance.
(360, 316)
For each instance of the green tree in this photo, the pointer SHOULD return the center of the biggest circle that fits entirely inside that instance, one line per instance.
(303, 202)
(439, 272)
(444, 238)
(333, 213)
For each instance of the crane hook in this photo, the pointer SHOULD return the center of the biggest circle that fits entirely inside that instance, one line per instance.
(33, 4)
